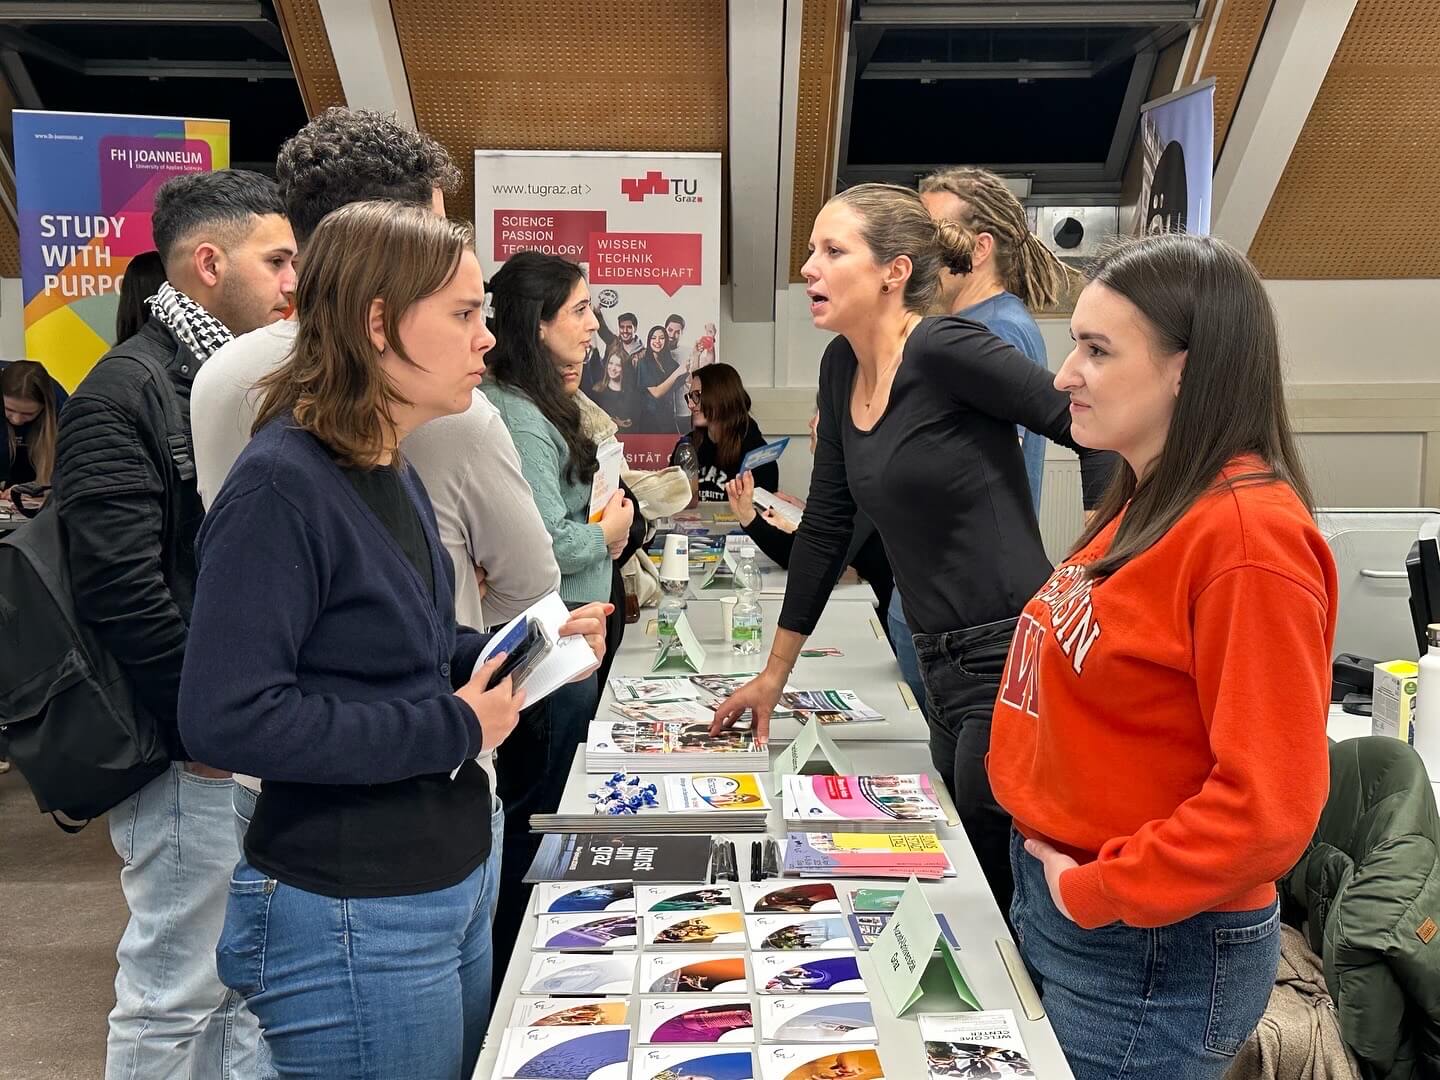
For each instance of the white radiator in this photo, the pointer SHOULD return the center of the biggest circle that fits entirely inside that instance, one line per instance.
(1062, 514)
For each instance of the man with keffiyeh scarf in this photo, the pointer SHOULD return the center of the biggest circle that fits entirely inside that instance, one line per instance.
(130, 518)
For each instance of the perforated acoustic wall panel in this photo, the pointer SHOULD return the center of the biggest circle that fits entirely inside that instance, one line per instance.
(1238, 26)
(817, 120)
(1358, 197)
(565, 75)
(9, 247)
(310, 54)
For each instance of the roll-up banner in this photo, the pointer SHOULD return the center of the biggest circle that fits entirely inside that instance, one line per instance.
(85, 186)
(645, 227)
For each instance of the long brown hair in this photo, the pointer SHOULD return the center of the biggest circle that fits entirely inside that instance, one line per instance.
(1025, 266)
(29, 381)
(333, 384)
(1201, 296)
(726, 405)
(894, 222)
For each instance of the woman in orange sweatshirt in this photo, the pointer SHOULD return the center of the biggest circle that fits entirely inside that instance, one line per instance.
(1159, 734)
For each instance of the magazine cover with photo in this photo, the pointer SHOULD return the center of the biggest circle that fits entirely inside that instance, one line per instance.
(693, 973)
(670, 1020)
(560, 898)
(586, 931)
(973, 1061)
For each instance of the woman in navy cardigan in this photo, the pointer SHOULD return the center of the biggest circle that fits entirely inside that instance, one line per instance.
(324, 658)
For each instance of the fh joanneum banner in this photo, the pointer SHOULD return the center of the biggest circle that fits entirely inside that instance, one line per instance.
(646, 230)
(85, 186)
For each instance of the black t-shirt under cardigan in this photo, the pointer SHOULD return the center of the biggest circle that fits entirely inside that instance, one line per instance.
(942, 476)
(322, 658)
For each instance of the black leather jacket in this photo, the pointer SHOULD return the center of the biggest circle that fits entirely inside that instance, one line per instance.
(130, 518)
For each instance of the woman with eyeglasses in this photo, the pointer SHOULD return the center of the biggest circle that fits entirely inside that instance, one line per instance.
(722, 433)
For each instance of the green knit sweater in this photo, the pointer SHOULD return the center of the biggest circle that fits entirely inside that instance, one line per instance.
(580, 549)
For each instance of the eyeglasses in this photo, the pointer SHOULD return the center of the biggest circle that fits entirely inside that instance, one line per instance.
(692, 397)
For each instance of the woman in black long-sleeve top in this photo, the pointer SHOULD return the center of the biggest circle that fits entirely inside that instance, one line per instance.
(917, 430)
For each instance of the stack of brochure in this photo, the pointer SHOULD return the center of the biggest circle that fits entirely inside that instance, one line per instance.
(686, 802)
(906, 803)
(829, 707)
(866, 855)
(670, 745)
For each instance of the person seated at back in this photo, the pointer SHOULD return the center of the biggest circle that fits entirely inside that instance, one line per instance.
(722, 433)
(775, 536)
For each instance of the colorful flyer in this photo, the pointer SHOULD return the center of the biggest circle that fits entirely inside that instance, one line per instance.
(808, 973)
(714, 793)
(570, 1012)
(580, 973)
(693, 973)
(562, 1053)
(630, 690)
(559, 897)
(831, 1019)
(684, 897)
(788, 1061)
(867, 898)
(984, 1044)
(674, 1062)
(692, 1020)
(792, 932)
(836, 800)
(586, 931)
(694, 929)
(796, 898)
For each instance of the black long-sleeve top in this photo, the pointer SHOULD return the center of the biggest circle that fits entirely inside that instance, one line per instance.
(866, 554)
(942, 476)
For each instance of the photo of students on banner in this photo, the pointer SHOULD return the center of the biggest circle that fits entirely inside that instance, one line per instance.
(645, 231)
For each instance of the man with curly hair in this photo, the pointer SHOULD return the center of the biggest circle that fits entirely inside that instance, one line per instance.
(488, 522)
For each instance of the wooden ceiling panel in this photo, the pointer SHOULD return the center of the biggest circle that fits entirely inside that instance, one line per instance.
(565, 75)
(310, 54)
(817, 119)
(1358, 197)
(1239, 25)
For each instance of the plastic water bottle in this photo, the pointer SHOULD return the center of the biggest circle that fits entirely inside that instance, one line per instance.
(747, 625)
(1425, 725)
(672, 606)
(684, 456)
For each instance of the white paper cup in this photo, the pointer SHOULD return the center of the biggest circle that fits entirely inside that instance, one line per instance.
(675, 564)
(727, 614)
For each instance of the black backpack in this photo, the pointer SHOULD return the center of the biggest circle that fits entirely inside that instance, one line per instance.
(69, 718)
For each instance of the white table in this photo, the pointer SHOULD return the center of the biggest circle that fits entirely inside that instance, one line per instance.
(965, 900)
(868, 666)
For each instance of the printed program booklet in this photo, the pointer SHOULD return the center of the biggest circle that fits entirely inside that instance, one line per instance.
(984, 1044)
(563, 1053)
(696, 1020)
(638, 857)
(693, 972)
(570, 1012)
(865, 803)
(788, 1061)
(831, 1019)
(866, 854)
(692, 1062)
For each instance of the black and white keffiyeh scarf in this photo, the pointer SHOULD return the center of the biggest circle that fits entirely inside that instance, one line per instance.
(192, 325)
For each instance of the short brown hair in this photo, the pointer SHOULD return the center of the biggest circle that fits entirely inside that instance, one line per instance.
(1026, 267)
(333, 385)
(894, 222)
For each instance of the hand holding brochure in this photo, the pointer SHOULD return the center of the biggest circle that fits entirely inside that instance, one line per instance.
(560, 660)
(786, 511)
(611, 458)
(764, 455)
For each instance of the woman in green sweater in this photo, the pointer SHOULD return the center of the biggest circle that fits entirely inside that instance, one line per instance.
(543, 325)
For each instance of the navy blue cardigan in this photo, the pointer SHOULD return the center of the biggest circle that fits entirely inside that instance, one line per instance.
(316, 654)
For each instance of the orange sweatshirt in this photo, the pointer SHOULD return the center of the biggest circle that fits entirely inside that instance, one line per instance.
(1166, 727)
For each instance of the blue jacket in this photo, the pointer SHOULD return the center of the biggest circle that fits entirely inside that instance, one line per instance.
(316, 653)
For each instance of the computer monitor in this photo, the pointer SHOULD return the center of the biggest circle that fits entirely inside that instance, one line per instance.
(1423, 567)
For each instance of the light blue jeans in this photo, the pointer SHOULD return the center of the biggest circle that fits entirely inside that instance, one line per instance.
(903, 642)
(173, 1017)
(1128, 1003)
(365, 988)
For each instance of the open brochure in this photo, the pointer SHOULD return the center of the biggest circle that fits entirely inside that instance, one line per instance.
(786, 511)
(611, 459)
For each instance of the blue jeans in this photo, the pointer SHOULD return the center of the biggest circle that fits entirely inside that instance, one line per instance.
(369, 988)
(173, 1017)
(1169, 1003)
(904, 646)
